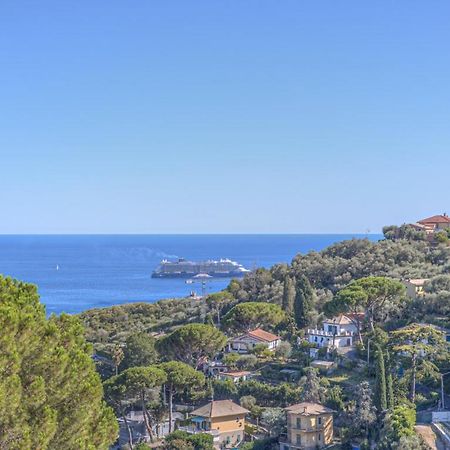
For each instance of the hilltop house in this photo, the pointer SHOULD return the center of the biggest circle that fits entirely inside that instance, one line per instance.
(247, 341)
(223, 419)
(435, 223)
(336, 332)
(309, 426)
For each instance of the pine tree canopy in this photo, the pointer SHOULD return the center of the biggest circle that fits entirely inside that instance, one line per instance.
(50, 394)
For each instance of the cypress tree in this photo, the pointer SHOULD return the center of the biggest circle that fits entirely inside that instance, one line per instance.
(288, 295)
(380, 387)
(304, 302)
(389, 383)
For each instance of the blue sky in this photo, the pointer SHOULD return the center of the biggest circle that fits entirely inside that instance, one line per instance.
(222, 116)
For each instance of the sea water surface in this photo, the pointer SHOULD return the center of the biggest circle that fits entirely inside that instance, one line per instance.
(79, 272)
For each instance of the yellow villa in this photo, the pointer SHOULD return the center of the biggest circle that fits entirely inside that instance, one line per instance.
(309, 426)
(224, 419)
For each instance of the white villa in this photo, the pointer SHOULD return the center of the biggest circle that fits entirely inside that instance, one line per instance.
(336, 332)
(246, 342)
(235, 376)
(415, 287)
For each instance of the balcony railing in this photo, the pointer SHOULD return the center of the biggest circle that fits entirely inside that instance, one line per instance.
(317, 332)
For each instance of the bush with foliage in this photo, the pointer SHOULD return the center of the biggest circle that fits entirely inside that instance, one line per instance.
(261, 444)
(181, 440)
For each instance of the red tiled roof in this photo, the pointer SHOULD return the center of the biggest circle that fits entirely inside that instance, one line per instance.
(441, 218)
(262, 335)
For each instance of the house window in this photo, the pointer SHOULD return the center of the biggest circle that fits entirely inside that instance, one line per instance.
(299, 422)
(319, 420)
(320, 437)
(315, 339)
(299, 439)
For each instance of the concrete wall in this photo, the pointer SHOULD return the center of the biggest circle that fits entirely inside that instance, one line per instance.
(440, 416)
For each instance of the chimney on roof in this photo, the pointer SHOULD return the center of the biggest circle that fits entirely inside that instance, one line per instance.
(304, 409)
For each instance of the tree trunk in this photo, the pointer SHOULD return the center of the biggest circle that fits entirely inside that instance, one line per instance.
(146, 418)
(358, 327)
(413, 381)
(371, 321)
(130, 434)
(150, 426)
(355, 321)
(170, 409)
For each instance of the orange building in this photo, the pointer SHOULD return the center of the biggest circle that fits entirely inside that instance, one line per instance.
(309, 426)
(224, 419)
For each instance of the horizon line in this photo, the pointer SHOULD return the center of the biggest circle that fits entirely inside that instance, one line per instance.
(347, 233)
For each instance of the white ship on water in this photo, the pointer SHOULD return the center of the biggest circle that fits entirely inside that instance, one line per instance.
(223, 268)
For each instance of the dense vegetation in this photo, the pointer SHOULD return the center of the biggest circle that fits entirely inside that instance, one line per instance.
(154, 350)
(335, 267)
(50, 394)
(288, 285)
(115, 324)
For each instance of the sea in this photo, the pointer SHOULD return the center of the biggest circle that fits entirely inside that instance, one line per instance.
(79, 272)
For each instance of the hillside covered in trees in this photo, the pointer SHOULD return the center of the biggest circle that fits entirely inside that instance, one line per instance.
(322, 274)
(371, 396)
(151, 356)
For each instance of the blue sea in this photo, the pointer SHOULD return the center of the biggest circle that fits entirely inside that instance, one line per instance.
(79, 272)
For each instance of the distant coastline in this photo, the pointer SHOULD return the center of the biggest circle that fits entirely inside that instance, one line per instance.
(80, 272)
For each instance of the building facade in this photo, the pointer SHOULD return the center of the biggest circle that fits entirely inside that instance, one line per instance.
(235, 376)
(309, 426)
(415, 287)
(336, 332)
(248, 341)
(223, 419)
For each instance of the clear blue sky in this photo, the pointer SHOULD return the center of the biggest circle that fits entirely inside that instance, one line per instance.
(222, 116)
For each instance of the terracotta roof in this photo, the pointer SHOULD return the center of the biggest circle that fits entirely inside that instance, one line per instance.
(219, 408)
(262, 335)
(340, 320)
(309, 409)
(441, 218)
